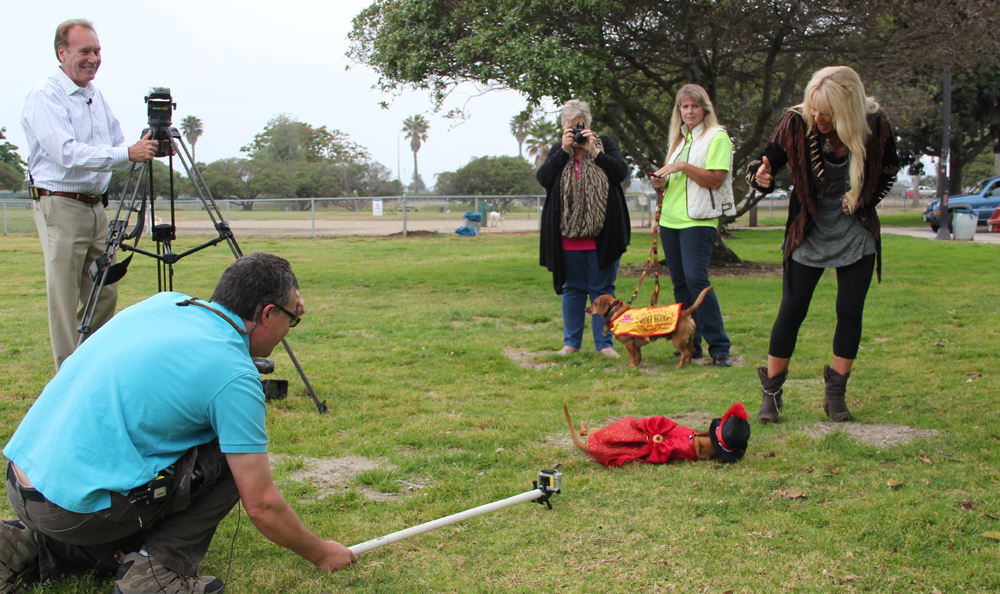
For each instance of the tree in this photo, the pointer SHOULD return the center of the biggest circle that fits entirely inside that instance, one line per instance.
(240, 179)
(628, 59)
(519, 125)
(542, 135)
(491, 176)
(975, 119)
(11, 165)
(416, 127)
(192, 130)
(285, 139)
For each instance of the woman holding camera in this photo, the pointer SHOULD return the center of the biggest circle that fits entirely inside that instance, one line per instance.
(697, 190)
(841, 153)
(585, 223)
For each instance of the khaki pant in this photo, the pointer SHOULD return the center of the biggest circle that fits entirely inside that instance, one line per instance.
(73, 235)
(177, 530)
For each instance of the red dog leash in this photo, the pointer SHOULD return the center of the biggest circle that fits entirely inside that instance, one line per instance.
(652, 257)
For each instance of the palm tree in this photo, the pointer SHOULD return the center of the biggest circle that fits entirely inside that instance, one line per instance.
(542, 134)
(519, 125)
(416, 127)
(191, 128)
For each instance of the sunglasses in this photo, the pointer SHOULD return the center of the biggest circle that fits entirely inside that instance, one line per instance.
(293, 319)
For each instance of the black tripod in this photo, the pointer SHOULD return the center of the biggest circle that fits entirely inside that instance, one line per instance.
(103, 273)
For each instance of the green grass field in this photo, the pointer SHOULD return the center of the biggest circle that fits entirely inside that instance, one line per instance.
(408, 341)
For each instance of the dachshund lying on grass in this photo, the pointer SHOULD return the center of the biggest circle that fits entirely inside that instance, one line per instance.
(658, 439)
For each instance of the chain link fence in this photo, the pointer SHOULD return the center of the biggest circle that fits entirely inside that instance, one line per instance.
(389, 215)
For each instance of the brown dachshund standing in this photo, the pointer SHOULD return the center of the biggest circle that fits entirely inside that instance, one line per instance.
(679, 319)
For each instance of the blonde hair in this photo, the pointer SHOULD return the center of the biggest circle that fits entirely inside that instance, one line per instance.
(839, 92)
(62, 32)
(573, 109)
(696, 93)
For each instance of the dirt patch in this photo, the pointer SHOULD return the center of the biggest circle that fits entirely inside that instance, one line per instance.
(873, 435)
(743, 269)
(526, 359)
(332, 476)
(417, 233)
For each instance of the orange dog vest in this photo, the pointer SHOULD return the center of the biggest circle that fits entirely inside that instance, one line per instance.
(647, 321)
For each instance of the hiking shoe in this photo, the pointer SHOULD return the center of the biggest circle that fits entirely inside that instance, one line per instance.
(140, 574)
(18, 554)
(722, 360)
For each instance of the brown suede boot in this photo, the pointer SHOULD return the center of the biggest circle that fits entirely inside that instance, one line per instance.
(835, 402)
(771, 405)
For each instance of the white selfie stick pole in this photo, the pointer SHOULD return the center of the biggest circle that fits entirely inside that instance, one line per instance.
(551, 482)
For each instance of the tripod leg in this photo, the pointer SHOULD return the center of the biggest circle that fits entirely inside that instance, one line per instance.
(320, 405)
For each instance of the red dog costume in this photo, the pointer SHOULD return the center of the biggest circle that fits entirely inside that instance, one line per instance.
(658, 439)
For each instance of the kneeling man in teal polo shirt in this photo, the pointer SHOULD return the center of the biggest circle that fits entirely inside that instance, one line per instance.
(148, 436)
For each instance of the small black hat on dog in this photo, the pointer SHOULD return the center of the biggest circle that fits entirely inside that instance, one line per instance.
(730, 434)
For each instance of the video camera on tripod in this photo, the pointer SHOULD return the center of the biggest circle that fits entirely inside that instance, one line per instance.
(135, 197)
(159, 108)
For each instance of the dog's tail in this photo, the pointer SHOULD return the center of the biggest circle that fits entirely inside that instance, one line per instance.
(572, 431)
(697, 302)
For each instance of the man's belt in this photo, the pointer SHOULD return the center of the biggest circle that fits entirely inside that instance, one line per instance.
(88, 199)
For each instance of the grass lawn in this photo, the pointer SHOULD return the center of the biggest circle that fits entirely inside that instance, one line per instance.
(409, 343)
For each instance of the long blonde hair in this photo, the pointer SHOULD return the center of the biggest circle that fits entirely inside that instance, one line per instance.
(699, 94)
(838, 91)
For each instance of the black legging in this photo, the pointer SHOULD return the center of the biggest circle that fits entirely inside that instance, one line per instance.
(798, 284)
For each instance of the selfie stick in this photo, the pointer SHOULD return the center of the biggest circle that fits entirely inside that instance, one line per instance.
(549, 482)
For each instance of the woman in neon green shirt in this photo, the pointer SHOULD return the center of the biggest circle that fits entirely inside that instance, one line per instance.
(698, 190)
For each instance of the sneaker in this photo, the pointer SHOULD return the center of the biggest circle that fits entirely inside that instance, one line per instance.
(18, 554)
(140, 574)
(722, 360)
(609, 352)
(567, 350)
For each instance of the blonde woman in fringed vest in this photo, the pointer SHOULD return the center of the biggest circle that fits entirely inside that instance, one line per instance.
(585, 223)
(841, 154)
(697, 191)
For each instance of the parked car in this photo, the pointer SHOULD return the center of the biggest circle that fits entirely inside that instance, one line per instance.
(983, 199)
(923, 193)
(779, 195)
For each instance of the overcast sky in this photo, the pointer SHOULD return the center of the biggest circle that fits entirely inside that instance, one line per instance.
(236, 65)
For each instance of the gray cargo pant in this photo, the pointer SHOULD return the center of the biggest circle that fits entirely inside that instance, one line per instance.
(176, 530)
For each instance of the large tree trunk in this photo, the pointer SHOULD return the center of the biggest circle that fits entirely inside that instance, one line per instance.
(722, 255)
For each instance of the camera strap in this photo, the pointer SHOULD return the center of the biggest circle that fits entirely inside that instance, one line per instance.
(199, 303)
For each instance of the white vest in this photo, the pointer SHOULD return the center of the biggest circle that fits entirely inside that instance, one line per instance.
(703, 203)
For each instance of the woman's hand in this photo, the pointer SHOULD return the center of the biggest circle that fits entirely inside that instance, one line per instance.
(763, 176)
(591, 145)
(567, 140)
(670, 168)
(846, 206)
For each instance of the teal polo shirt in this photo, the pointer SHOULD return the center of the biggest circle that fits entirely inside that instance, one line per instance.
(153, 382)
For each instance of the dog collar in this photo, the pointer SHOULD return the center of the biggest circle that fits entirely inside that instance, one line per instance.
(611, 309)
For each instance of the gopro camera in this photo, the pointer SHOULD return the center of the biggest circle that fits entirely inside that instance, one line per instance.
(550, 480)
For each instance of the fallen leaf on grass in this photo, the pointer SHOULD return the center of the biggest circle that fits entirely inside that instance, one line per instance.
(974, 374)
(992, 517)
(924, 458)
(790, 493)
(894, 484)
(771, 453)
(807, 469)
(993, 535)
(887, 464)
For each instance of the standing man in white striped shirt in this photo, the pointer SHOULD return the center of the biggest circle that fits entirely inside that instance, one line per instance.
(74, 143)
